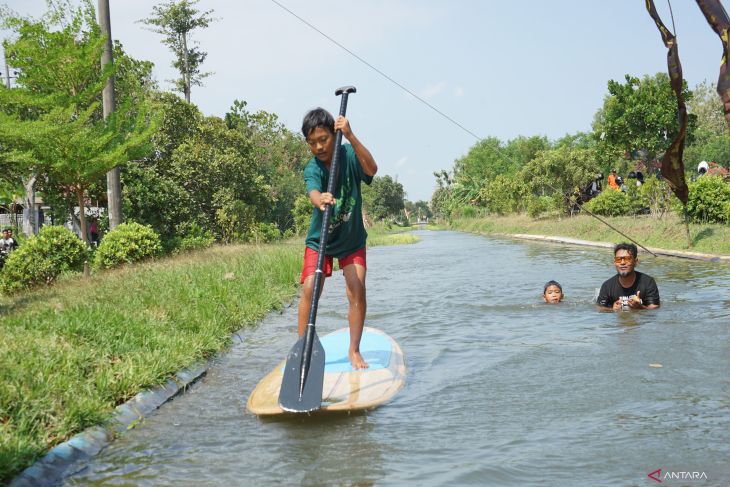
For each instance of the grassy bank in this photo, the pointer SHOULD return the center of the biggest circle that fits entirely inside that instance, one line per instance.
(72, 352)
(69, 354)
(379, 235)
(666, 233)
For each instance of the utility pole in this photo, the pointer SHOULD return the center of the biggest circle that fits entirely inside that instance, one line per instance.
(113, 179)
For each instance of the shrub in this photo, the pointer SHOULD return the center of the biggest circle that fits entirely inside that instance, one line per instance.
(42, 258)
(466, 211)
(708, 200)
(502, 195)
(235, 220)
(265, 232)
(191, 237)
(128, 242)
(655, 194)
(537, 205)
(302, 213)
(610, 203)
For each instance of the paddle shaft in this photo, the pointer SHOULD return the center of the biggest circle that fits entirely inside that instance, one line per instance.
(323, 237)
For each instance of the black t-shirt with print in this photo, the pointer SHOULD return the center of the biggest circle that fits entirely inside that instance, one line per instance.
(612, 289)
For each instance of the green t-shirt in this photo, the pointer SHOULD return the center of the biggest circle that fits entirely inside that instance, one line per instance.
(346, 232)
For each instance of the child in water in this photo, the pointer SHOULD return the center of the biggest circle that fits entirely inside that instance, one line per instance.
(552, 293)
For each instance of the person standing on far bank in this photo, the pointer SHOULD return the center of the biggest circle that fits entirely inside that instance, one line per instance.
(347, 236)
(628, 289)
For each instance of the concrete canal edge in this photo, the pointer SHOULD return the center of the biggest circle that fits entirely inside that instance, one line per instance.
(71, 456)
(684, 254)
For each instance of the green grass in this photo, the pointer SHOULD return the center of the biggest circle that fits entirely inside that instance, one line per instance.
(380, 235)
(665, 233)
(72, 352)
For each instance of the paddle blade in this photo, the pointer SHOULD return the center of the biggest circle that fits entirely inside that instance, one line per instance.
(311, 395)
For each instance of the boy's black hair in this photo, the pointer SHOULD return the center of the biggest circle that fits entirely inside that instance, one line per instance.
(318, 117)
(552, 283)
(626, 246)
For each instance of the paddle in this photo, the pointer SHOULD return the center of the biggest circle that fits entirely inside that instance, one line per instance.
(301, 387)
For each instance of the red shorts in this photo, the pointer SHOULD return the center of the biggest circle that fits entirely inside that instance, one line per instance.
(310, 262)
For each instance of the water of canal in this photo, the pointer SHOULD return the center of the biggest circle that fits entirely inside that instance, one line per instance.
(501, 389)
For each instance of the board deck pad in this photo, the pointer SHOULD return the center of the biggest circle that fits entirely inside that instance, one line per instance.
(374, 348)
(345, 389)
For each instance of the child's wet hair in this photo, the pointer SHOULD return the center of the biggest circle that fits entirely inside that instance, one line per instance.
(551, 283)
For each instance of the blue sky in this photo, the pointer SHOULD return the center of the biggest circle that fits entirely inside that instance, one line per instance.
(499, 68)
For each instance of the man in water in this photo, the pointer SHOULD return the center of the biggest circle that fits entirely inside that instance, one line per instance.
(628, 289)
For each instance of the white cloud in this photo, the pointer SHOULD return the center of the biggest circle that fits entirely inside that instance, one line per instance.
(458, 91)
(432, 90)
(401, 162)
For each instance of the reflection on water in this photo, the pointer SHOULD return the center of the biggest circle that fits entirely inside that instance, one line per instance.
(502, 389)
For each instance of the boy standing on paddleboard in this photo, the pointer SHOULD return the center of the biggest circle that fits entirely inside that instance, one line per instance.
(347, 236)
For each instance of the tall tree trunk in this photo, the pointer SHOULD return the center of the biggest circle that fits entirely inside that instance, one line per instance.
(30, 222)
(82, 214)
(186, 63)
(113, 179)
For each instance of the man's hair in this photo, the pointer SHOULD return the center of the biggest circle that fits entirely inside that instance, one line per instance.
(552, 283)
(626, 246)
(318, 117)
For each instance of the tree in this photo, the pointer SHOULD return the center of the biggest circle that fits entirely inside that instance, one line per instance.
(51, 124)
(711, 141)
(73, 150)
(383, 198)
(221, 175)
(560, 173)
(281, 156)
(640, 116)
(418, 210)
(490, 158)
(176, 20)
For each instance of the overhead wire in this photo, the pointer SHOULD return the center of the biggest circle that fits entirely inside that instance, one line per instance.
(399, 85)
(380, 72)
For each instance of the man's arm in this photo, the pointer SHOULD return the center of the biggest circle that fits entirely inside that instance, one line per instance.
(651, 294)
(369, 166)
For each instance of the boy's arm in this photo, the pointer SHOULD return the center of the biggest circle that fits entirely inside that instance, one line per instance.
(319, 199)
(369, 166)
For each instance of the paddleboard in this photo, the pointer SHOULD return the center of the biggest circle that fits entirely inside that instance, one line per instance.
(345, 389)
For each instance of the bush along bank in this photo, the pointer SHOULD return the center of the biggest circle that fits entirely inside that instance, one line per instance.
(71, 352)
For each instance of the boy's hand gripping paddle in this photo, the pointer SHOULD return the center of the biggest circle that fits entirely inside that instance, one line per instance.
(301, 387)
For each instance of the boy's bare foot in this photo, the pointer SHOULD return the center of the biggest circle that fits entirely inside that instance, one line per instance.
(357, 361)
